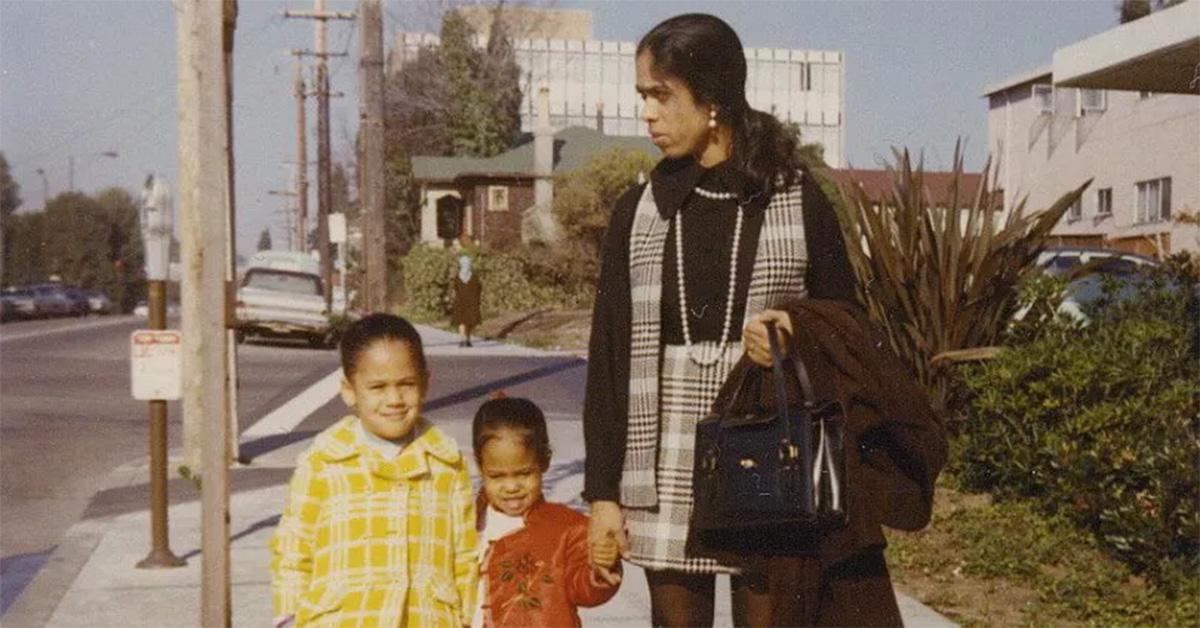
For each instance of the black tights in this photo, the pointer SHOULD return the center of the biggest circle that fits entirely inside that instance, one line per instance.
(680, 599)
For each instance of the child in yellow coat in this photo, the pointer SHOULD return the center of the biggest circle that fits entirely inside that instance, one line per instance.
(379, 524)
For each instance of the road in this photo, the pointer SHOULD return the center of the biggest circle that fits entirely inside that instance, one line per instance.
(67, 420)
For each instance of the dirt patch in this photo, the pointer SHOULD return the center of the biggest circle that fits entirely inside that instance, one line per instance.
(560, 330)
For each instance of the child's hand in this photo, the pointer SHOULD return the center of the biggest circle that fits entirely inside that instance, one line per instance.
(605, 551)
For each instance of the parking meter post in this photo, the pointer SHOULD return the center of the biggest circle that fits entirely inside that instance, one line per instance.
(160, 555)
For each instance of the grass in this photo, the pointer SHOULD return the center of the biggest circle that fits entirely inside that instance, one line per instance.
(983, 563)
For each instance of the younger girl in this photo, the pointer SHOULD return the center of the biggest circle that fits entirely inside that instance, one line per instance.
(379, 524)
(535, 567)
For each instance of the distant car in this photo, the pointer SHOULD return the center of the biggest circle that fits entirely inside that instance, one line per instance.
(79, 301)
(51, 299)
(1087, 270)
(98, 302)
(284, 304)
(19, 303)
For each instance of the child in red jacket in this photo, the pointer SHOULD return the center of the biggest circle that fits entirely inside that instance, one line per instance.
(534, 568)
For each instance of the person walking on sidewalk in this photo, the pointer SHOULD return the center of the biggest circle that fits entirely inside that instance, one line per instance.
(379, 523)
(468, 301)
(729, 225)
(535, 569)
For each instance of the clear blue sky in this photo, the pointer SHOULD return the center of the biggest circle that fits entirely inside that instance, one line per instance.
(80, 77)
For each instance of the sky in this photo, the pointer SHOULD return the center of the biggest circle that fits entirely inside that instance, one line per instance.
(79, 78)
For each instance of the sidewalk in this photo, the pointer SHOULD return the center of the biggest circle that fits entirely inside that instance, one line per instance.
(90, 579)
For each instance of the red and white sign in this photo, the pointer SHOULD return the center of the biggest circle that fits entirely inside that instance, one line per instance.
(156, 364)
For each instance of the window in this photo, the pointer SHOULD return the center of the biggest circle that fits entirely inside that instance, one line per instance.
(1154, 200)
(1075, 212)
(1104, 202)
(1043, 98)
(497, 198)
(1092, 100)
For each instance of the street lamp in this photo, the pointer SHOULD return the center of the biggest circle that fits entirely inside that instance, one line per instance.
(71, 165)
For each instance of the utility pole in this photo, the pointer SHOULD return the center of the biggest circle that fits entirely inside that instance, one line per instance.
(324, 193)
(231, 411)
(302, 159)
(203, 194)
(371, 134)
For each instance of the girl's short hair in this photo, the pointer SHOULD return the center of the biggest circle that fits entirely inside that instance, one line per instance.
(519, 415)
(369, 329)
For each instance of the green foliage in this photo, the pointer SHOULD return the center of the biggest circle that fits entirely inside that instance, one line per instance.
(1068, 575)
(483, 113)
(938, 279)
(584, 198)
(10, 191)
(520, 278)
(1098, 423)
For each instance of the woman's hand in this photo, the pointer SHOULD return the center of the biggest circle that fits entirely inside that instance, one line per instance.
(754, 336)
(606, 540)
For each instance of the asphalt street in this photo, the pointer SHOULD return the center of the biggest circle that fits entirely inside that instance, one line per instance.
(67, 419)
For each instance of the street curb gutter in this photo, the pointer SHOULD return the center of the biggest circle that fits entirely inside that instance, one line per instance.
(42, 596)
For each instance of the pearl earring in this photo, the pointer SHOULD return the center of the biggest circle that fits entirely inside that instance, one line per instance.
(712, 118)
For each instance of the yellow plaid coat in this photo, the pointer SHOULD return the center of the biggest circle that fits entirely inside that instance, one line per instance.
(365, 541)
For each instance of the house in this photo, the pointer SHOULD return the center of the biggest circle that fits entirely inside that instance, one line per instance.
(1121, 108)
(507, 198)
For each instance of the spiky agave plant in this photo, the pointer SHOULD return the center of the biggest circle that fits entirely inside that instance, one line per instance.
(939, 275)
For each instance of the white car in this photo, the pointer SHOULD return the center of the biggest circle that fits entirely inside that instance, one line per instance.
(283, 304)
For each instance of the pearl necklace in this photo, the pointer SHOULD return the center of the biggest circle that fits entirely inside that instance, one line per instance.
(733, 262)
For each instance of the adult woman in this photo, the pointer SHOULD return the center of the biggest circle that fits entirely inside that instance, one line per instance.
(729, 226)
(468, 294)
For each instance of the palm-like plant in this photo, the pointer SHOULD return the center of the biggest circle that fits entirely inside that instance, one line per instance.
(940, 276)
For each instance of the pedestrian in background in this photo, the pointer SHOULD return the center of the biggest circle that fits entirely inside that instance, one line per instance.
(534, 563)
(468, 298)
(729, 226)
(379, 524)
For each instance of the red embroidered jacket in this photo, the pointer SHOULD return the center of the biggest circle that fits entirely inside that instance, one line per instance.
(538, 575)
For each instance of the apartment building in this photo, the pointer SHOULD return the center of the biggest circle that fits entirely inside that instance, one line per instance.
(1121, 108)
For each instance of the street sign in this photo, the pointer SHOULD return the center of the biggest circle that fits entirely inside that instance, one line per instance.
(155, 364)
(337, 228)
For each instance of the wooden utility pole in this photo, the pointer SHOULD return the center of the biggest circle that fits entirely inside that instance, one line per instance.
(203, 198)
(371, 133)
(324, 193)
(231, 382)
(302, 159)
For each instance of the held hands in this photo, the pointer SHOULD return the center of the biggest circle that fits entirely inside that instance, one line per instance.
(606, 541)
(754, 336)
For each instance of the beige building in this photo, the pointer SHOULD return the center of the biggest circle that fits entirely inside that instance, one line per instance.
(1121, 108)
(590, 81)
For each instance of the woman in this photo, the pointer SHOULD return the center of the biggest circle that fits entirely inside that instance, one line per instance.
(728, 227)
(468, 294)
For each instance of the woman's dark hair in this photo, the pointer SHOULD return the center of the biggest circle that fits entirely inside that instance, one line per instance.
(369, 329)
(519, 415)
(705, 53)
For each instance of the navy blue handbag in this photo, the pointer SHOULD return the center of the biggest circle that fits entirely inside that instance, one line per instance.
(769, 465)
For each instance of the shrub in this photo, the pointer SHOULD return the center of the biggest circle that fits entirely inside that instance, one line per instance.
(427, 273)
(1098, 423)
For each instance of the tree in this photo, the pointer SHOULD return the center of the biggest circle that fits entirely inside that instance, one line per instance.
(264, 240)
(10, 200)
(584, 198)
(1131, 10)
(126, 284)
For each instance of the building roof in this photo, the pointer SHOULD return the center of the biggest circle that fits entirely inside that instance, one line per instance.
(573, 146)
(1018, 79)
(1157, 53)
(878, 184)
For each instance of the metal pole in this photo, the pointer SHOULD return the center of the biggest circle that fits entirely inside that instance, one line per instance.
(160, 556)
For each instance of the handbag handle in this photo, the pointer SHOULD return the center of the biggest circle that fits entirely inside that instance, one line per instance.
(804, 440)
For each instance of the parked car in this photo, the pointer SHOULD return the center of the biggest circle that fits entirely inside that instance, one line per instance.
(51, 299)
(283, 303)
(79, 301)
(1088, 270)
(18, 303)
(98, 302)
